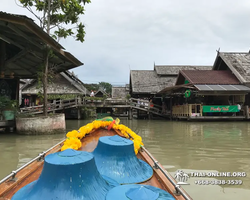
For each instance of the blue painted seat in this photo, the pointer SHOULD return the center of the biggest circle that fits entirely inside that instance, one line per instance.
(115, 158)
(67, 175)
(138, 192)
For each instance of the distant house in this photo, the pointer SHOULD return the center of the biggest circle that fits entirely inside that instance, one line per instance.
(100, 93)
(173, 70)
(145, 83)
(206, 93)
(120, 91)
(63, 84)
(227, 84)
(207, 82)
(238, 63)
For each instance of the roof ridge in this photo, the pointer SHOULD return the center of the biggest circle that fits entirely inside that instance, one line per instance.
(234, 52)
(183, 65)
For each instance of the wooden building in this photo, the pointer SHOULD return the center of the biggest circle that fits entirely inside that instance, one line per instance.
(213, 94)
(120, 92)
(239, 64)
(100, 93)
(64, 85)
(147, 83)
(21, 52)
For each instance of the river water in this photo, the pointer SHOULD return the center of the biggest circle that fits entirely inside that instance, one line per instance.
(198, 147)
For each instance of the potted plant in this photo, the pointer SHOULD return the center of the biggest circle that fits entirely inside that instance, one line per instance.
(8, 107)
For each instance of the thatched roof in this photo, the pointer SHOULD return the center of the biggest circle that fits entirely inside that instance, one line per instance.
(164, 70)
(238, 63)
(120, 92)
(73, 79)
(62, 83)
(147, 81)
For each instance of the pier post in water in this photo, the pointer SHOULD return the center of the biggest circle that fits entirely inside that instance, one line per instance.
(130, 113)
(78, 112)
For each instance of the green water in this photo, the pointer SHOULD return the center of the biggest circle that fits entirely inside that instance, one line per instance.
(190, 146)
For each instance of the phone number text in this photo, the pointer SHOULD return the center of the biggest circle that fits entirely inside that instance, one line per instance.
(218, 182)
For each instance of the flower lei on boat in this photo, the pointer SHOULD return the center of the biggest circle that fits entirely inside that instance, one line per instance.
(74, 137)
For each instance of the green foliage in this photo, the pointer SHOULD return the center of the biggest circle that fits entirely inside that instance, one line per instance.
(91, 86)
(6, 103)
(106, 86)
(62, 97)
(63, 16)
(94, 98)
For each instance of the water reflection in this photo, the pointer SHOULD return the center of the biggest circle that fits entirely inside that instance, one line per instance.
(16, 150)
(196, 146)
(209, 146)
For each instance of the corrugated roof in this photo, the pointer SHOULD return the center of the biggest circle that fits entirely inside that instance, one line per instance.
(223, 88)
(174, 69)
(210, 77)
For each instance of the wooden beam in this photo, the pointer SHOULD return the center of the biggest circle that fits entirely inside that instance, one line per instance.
(23, 68)
(20, 54)
(22, 34)
(2, 55)
(10, 41)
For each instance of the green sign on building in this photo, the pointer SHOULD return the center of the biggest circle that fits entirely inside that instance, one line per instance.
(206, 109)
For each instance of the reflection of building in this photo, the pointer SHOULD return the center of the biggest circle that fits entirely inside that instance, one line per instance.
(189, 129)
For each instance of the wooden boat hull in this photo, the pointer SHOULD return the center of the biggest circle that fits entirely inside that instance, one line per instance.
(89, 143)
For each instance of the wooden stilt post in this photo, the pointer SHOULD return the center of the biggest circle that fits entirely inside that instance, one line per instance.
(2, 57)
(54, 106)
(171, 107)
(247, 111)
(129, 113)
(78, 112)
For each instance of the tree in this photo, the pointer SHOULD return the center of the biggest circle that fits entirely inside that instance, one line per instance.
(106, 86)
(91, 86)
(61, 17)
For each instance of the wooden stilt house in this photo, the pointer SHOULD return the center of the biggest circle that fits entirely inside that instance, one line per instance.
(64, 85)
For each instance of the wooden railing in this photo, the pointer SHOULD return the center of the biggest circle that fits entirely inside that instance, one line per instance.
(147, 106)
(63, 104)
(187, 110)
(108, 101)
(52, 107)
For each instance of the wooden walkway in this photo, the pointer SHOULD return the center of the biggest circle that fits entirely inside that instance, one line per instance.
(107, 103)
(52, 107)
(145, 105)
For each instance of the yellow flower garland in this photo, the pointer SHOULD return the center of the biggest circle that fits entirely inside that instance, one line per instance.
(74, 137)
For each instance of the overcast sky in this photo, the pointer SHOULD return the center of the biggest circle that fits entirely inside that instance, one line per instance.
(134, 34)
